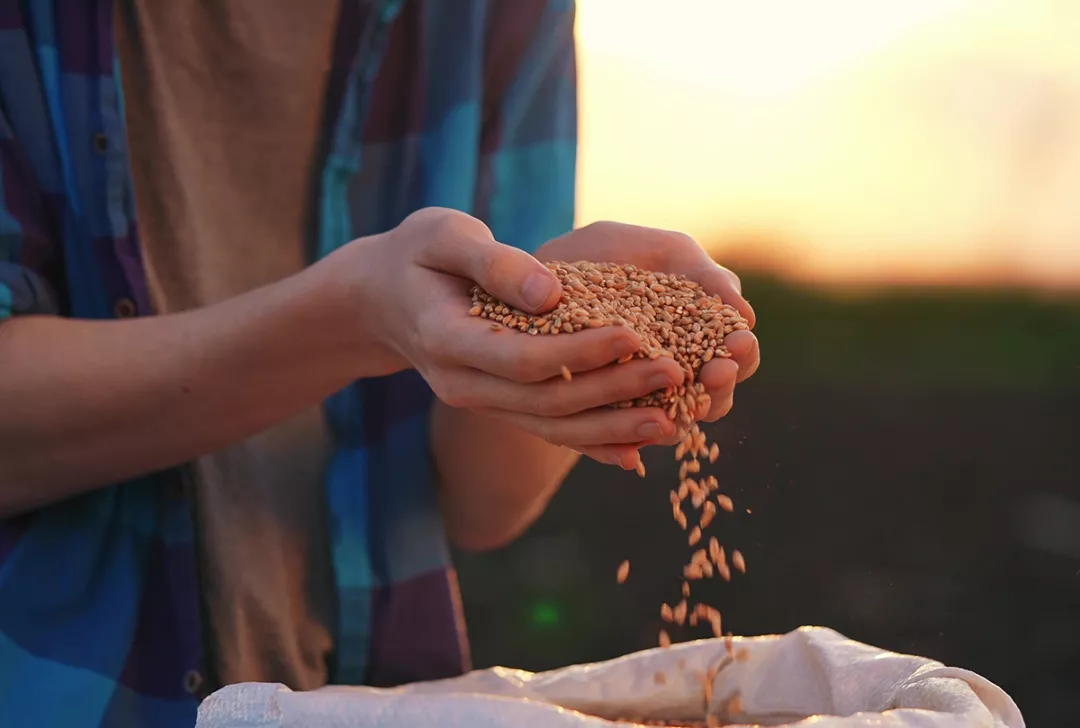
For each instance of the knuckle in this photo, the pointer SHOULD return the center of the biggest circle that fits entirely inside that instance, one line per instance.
(545, 429)
(468, 398)
(488, 264)
(602, 226)
(446, 391)
(433, 335)
(441, 224)
(624, 429)
(682, 242)
(555, 402)
(459, 224)
(455, 399)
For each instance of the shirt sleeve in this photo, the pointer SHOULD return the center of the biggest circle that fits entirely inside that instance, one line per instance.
(526, 185)
(28, 245)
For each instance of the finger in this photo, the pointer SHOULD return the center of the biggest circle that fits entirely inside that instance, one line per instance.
(624, 456)
(719, 281)
(558, 397)
(623, 243)
(604, 426)
(525, 358)
(463, 246)
(745, 352)
(719, 377)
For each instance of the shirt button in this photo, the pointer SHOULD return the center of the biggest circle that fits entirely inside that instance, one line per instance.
(101, 144)
(124, 308)
(192, 682)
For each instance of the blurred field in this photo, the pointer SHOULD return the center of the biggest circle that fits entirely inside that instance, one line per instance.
(912, 460)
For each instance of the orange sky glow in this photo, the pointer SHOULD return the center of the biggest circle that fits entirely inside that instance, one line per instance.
(841, 140)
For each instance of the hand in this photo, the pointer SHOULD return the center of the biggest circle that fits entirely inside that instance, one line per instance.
(670, 252)
(414, 288)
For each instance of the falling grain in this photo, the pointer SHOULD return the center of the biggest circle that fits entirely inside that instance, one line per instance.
(714, 550)
(708, 513)
(679, 613)
(714, 621)
(738, 561)
(674, 318)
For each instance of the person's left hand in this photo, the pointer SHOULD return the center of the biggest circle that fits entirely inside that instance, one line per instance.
(669, 252)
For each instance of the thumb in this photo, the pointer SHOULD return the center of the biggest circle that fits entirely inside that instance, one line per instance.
(507, 273)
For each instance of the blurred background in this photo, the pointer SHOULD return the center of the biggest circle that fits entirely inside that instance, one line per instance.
(899, 185)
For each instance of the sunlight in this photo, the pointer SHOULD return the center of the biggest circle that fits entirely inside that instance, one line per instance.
(923, 140)
(761, 48)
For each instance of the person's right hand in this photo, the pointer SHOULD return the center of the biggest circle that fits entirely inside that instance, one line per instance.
(416, 282)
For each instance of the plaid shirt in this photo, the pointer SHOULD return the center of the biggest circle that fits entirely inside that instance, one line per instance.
(468, 104)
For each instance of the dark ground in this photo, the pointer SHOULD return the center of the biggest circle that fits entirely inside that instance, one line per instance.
(912, 462)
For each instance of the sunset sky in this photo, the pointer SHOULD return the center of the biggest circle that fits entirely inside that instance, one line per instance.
(928, 140)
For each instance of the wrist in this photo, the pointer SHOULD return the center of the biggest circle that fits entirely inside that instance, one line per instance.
(342, 292)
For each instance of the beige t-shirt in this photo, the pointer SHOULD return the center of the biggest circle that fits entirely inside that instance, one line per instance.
(225, 107)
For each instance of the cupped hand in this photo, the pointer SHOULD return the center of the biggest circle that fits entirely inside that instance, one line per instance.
(669, 252)
(415, 304)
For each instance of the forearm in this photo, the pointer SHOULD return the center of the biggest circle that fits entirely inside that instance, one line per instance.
(495, 479)
(87, 403)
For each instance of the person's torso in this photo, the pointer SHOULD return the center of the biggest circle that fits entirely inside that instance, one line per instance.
(425, 105)
(224, 119)
(122, 632)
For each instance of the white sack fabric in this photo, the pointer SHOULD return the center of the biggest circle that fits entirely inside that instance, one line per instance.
(812, 677)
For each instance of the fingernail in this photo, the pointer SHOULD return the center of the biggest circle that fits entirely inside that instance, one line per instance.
(537, 289)
(649, 430)
(659, 381)
(615, 459)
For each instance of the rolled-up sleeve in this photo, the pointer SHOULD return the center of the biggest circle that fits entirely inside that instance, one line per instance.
(526, 185)
(28, 246)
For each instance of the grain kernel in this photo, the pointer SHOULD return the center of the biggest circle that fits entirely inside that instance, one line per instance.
(738, 561)
(707, 514)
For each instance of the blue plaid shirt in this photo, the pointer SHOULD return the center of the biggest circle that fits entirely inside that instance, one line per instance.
(468, 104)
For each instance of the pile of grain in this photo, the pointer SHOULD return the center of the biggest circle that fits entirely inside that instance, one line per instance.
(674, 318)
